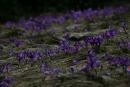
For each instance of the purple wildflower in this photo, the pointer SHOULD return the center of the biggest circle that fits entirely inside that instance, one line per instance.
(20, 56)
(119, 60)
(92, 61)
(109, 34)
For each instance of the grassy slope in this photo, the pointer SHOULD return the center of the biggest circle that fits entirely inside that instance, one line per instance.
(27, 76)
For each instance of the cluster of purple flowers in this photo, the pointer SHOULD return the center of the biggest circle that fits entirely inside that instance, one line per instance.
(119, 60)
(31, 55)
(66, 46)
(94, 40)
(100, 38)
(63, 47)
(42, 22)
(92, 61)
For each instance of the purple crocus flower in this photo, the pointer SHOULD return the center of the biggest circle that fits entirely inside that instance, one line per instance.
(78, 45)
(64, 45)
(119, 60)
(33, 55)
(18, 43)
(88, 39)
(108, 34)
(20, 56)
(94, 40)
(98, 40)
(92, 61)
